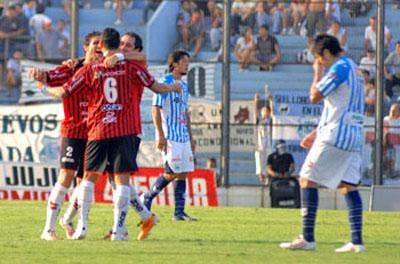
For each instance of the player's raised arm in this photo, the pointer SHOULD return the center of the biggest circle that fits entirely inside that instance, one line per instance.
(315, 95)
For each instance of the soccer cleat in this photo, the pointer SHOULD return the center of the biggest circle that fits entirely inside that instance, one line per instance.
(298, 244)
(350, 247)
(184, 217)
(80, 232)
(68, 228)
(49, 236)
(109, 235)
(147, 226)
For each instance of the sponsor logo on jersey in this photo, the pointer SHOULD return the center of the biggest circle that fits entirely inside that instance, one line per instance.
(111, 107)
(110, 118)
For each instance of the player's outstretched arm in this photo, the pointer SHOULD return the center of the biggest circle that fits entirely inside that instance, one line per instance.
(57, 92)
(166, 88)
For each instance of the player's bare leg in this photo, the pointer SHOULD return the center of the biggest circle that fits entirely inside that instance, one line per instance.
(85, 200)
(309, 208)
(55, 202)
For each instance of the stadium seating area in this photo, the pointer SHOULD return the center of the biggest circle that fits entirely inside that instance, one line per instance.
(288, 75)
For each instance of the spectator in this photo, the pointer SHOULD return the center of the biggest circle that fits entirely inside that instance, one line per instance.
(263, 119)
(338, 32)
(211, 6)
(358, 7)
(10, 27)
(29, 9)
(243, 49)
(370, 98)
(47, 43)
(149, 5)
(36, 22)
(276, 12)
(212, 165)
(197, 31)
(114, 4)
(13, 79)
(266, 50)
(315, 18)
(284, 18)
(262, 17)
(247, 16)
(298, 9)
(332, 11)
(216, 29)
(280, 163)
(184, 22)
(391, 132)
(66, 33)
(368, 63)
(370, 35)
(392, 77)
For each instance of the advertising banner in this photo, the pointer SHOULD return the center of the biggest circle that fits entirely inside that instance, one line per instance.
(33, 181)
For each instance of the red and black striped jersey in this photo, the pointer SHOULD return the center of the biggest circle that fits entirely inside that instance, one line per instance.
(74, 124)
(114, 96)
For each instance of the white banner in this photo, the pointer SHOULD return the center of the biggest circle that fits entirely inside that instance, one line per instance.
(29, 90)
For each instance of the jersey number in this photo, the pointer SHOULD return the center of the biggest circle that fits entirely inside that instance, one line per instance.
(110, 90)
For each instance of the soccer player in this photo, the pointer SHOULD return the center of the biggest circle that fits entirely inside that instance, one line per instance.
(74, 138)
(334, 159)
(113, 129)
(174, 136)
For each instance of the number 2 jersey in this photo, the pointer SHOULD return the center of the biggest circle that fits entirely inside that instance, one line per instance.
(114, 96)
(75, 107)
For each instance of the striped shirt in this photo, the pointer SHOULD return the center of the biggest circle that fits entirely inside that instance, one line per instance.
(174, 107)
(75, 107)
(341, 123)
(114, 97)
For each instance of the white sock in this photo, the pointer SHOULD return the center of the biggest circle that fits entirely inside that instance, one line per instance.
(121, 205)
(137, 204)
(56, 200)
(72, 209)
(85, 199)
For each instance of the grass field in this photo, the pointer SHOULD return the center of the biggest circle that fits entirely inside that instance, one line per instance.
(223, 235)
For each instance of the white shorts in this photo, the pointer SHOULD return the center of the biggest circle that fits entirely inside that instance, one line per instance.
(179, 157)
(329, 166)
(261, 159)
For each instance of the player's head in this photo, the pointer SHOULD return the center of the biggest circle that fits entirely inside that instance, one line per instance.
(131, 41)
(280, 146)
(91, 45)
(178, 62)
(110, 39)
(326, 49)
(372, 23)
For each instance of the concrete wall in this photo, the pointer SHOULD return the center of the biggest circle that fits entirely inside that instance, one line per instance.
(385, 198)
(162, 32)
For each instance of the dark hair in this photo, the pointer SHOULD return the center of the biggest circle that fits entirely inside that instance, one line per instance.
(398, 42)
(326, 42)
(40, 8)
(245, 30)
(175, 57)
(264, 27)
(88, 37)
(372, 81)
(373, 17)
(111, 38)
(138, 40)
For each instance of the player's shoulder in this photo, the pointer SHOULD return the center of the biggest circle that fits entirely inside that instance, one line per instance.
(342, 66)
(167, 78)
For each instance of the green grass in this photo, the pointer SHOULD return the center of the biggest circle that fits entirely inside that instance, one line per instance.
(223, 235)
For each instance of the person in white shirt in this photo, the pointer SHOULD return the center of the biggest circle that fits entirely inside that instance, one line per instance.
(36, 22)
(243, 48)
(332, 11)
(370, 35)
(368, 63)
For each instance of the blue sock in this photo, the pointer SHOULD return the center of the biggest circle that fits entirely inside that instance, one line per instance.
(309, 212)
(354, 204)
(155, 189)
(180, 190)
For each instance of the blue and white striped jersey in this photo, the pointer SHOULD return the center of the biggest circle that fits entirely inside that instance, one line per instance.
(174, 109)
(342, 119)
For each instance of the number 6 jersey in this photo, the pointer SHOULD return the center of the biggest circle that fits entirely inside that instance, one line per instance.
(114, 96)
